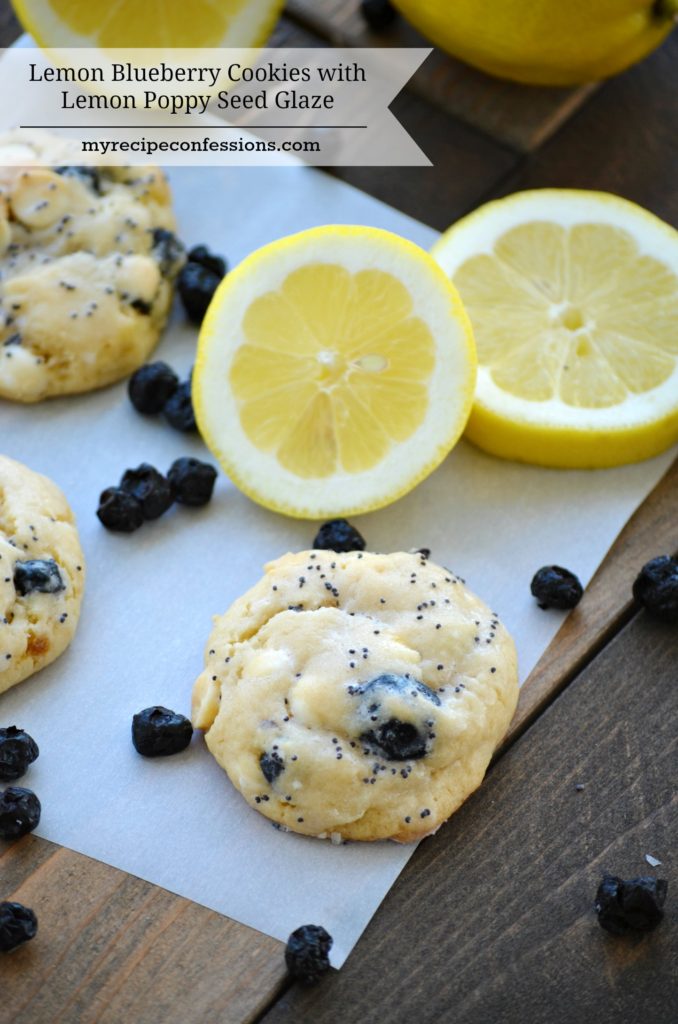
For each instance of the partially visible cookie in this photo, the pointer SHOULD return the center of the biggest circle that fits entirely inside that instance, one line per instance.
(41, 572)
(87, 261)
(356, 696)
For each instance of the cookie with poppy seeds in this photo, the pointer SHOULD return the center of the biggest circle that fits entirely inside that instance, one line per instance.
(41, 572)
(355, 695)
(88, 260)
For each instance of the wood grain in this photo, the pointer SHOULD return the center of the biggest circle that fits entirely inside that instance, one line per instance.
(606, 605)
(111, 948)
(492, 920)
(518, 116)
(625, 140)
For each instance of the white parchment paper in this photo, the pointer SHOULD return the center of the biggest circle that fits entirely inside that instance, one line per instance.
(150, 597)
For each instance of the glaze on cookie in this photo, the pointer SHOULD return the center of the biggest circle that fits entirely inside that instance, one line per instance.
(356, 696)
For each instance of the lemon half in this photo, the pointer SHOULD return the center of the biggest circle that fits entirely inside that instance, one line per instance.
(335, 370)
(164, 23)
(545, 42)
(573, 297)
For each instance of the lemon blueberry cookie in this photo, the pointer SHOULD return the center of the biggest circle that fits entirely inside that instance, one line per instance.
(41, 572)
(87, 261)
(356, 696)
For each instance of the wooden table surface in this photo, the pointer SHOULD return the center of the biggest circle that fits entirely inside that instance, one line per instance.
(491, 922)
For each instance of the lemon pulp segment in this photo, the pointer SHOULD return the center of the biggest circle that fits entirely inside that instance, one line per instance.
(329, 392)
(575, 313)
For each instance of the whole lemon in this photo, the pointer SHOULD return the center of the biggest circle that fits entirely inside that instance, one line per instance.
(545, 42)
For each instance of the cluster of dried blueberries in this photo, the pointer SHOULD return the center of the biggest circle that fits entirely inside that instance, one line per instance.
(144, 493)
(19, 815)
(199, 279)
(155, 388)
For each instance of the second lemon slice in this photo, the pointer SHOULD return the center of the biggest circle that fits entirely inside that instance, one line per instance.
(573, 297)
(335, 370)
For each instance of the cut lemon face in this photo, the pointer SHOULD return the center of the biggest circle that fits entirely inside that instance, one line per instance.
(573, 297)
(335, 370)
(163, 23)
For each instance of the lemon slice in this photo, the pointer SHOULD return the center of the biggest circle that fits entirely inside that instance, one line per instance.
(335, 370)
(573, 297)
(163, 23)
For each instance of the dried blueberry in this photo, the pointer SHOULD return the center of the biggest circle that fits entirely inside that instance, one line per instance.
(142, 306)
(18, 924)
(178, 409)
(157, 732)
(19, 812)
(168, 251)
(201, 254)
(656, 587)
(119, 510)
(151, 386)
(272, 765)
(88, 175)
(338, 535)
(17, 751)
(39, 575)
(306, 953)
(150, 488)
(555, 587)
(196, 285)
(378, 14)
(397, 741)
(192, 481)
(633, 905)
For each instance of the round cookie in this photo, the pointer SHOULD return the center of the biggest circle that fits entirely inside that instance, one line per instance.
(87, 260)
(41, 572)
(356, 696)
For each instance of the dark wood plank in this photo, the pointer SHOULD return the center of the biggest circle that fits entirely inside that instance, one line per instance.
(466, 166)
(607, 603)
(9, 26)
(516, 115)
(492, 920)
(624, 140)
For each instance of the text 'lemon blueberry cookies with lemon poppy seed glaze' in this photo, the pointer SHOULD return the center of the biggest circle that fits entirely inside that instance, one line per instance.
(88, 257)
(41, 572)
(356, 696)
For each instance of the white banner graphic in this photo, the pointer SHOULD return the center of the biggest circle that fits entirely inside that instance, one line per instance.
(207, 107)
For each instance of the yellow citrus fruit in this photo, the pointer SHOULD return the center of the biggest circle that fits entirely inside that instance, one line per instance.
(163, 23)
(545, 42)
(573, 297)
(335, 370)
